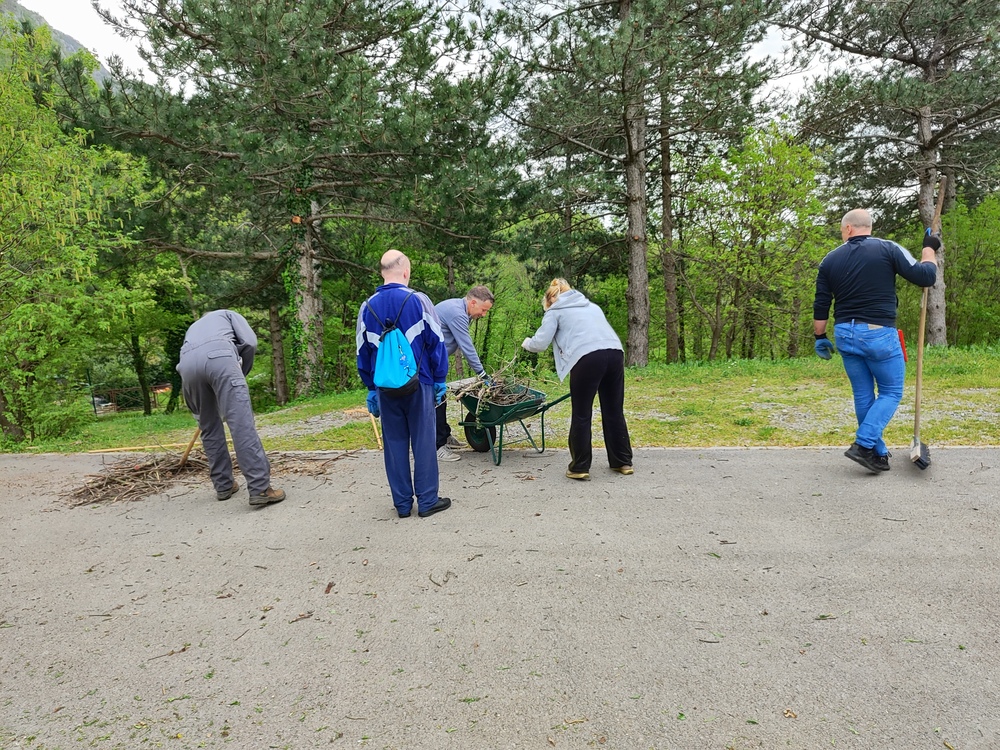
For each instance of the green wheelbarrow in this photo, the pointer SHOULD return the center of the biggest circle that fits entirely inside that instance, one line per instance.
(484, 424)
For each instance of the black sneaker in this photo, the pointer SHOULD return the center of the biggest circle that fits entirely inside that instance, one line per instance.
(883, 461)
(864, 456)
(443, 503)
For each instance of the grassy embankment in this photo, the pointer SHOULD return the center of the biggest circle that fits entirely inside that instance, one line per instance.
(802, 402)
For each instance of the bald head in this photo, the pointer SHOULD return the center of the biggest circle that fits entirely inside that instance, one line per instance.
(857, 222)
(395, 267)
(858, 218)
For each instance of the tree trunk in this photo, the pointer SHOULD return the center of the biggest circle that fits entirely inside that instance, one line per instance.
(278, 366)
(309, 312)
(668, 260)
(716, 324)
(793, 325)
(637, 295)
(11, 429)
(937, 330)
(139, 365)
(174, 339)
(681, 335)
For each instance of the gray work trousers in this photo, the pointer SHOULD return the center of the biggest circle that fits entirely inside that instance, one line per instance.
(215, 389)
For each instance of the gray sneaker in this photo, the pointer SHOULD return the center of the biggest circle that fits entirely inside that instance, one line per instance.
(270, 495)
(447, 454)
(454, 442)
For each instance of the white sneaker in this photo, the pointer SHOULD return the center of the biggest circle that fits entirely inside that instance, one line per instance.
(447, 454)
(454, 442)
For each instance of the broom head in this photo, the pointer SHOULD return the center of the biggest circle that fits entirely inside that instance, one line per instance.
(920, 454)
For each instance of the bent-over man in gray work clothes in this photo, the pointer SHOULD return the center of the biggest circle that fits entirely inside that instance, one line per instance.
(216, 357)
(455, 315)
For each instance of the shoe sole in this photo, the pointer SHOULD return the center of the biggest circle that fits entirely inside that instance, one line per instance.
(450, 458)
(578, 477)
(259, 500)
(432, 511)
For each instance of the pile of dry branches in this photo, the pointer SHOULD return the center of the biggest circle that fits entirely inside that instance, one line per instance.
(501, 391)
(502, 388)
(134, 479)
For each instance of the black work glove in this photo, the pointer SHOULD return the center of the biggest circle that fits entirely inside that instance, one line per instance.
(823, 346)
(932, 240)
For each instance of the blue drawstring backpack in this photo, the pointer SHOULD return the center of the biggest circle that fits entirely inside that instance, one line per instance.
(396, 370)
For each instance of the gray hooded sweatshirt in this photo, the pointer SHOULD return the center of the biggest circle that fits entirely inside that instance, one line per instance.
(574, 326)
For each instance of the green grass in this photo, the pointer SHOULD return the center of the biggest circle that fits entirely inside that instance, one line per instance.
(800, 402)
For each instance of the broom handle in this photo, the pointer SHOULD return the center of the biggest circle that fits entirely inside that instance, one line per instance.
(184, 458)
(935, 225)
(920, 366)
(378, 438)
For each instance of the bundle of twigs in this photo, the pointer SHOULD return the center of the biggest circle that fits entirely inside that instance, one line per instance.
(502, 388)
(131, 479)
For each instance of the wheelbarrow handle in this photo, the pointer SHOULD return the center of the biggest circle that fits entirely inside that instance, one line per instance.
(553, 403)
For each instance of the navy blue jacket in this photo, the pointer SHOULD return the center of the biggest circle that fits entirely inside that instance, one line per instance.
(418, 322)
(860, 278)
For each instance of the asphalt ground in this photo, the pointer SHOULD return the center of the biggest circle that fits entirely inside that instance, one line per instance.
(718, 598)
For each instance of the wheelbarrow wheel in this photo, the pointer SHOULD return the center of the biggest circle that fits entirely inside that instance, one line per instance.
(477, 437)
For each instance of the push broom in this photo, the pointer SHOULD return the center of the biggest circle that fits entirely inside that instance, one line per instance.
(920, 454)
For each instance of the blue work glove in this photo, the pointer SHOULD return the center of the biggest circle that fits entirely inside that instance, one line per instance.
(372, 402)
(485, 378)
(440, 392)
(823, 346)
(932, 240)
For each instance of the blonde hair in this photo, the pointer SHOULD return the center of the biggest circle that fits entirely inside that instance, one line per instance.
(557, 287)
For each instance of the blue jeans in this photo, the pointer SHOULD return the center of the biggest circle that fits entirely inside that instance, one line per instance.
(872, 357)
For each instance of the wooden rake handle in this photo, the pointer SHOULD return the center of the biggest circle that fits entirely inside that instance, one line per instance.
(187, 452)
(935, 224)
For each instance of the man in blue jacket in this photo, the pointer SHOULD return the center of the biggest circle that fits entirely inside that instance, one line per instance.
(408, 421)
(455, 315)
(859, 277)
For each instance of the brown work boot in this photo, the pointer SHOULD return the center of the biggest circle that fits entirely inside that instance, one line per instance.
(270, 495)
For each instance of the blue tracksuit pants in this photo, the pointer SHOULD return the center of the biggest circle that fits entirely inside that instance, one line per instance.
(408, 423)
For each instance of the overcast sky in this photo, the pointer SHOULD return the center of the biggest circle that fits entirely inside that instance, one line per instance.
(78, 19)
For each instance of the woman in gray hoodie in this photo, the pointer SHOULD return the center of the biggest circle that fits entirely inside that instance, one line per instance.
(586, 348)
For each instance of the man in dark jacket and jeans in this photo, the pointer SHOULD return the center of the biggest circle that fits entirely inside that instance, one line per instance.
(859, 277)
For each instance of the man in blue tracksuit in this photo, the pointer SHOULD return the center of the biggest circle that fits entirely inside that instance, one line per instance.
(408, 422)
(859, 277)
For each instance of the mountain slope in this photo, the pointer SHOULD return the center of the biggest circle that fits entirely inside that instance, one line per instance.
(68, 44)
